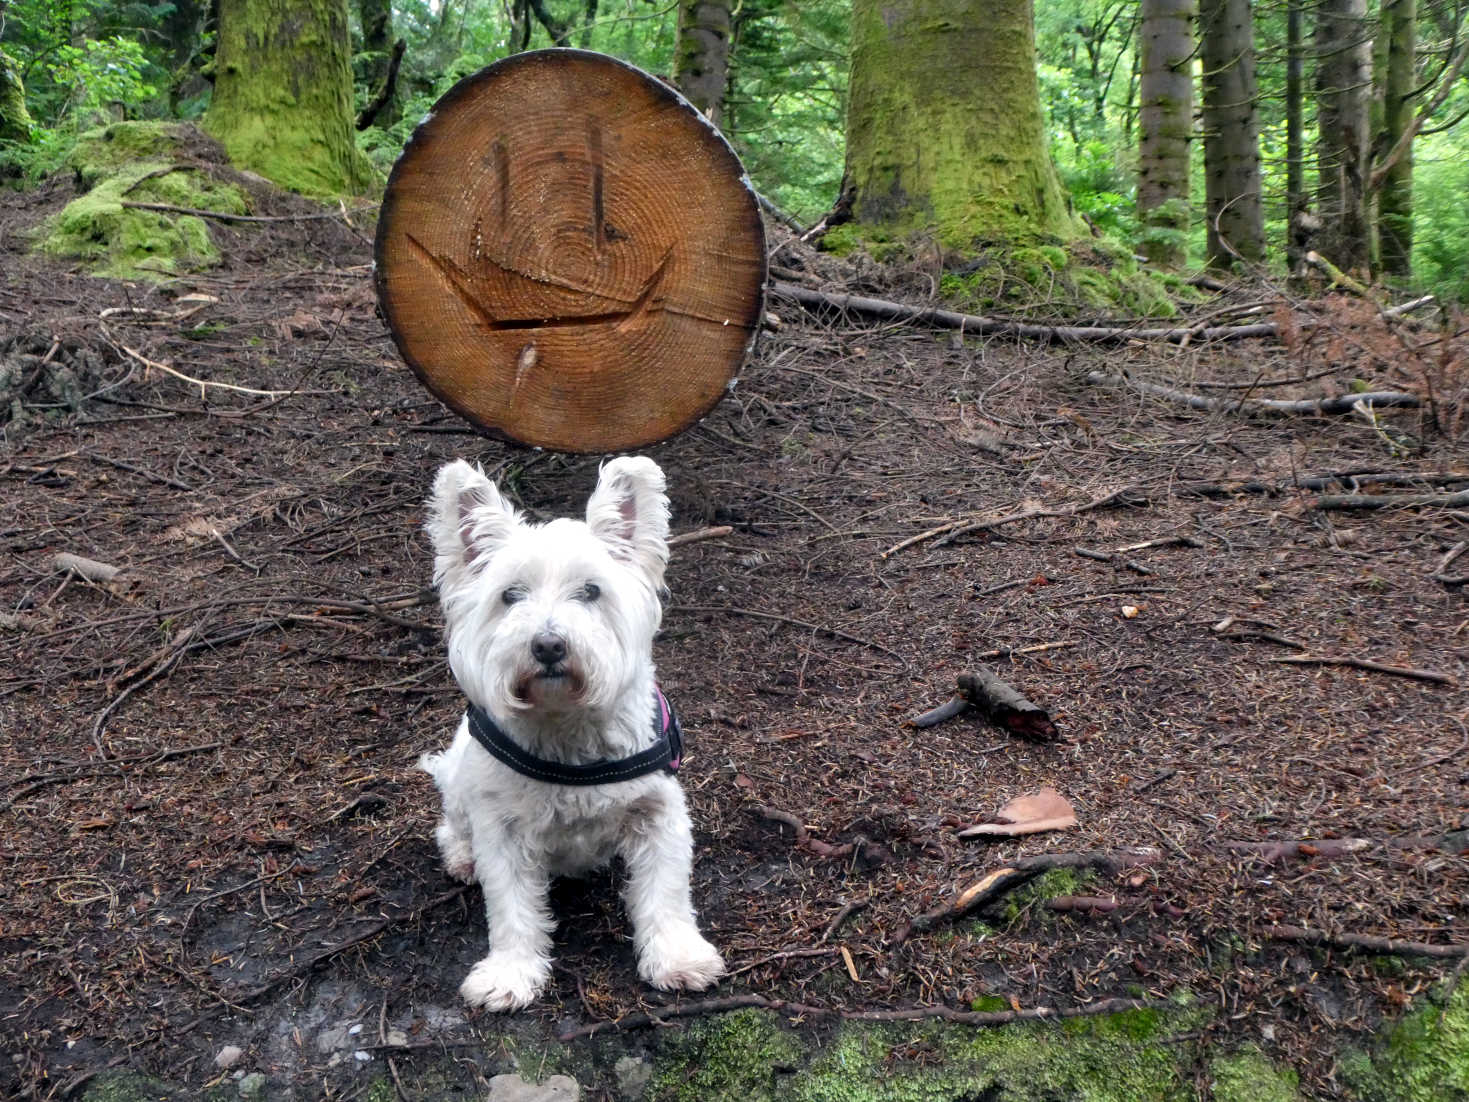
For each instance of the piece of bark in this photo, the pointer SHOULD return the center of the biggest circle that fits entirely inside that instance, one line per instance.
(1005, 707)
(1033, 813)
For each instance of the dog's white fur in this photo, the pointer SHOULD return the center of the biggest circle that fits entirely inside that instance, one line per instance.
(503, 584)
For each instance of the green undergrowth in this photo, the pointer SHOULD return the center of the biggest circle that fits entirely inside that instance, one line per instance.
(141, 163)
(1092, 276)
(1423, 1058)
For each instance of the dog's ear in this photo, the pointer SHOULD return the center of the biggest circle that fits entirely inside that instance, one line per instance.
(628, 511)
(468, 521)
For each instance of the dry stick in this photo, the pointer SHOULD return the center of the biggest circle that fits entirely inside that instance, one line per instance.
(1034, 648)
(1364, 664)
(736, 610)
(1362, 941)
(200, 383)
(308, 964)
(983, 326)
(115, 766)
(699, 535)
(1444, 563)
(1392, 501)
(161, 479)
(954, 529)
(225, 216)
(1341, 403)
(805, 1010)
(1000, 882)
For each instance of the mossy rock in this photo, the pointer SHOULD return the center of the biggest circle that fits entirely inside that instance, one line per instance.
(1248, 1076)
(109, 149)
(125, 242)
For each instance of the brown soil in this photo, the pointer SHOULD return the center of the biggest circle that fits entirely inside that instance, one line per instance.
(214, 833)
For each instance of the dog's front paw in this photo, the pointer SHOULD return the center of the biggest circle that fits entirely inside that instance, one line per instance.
(505, 981)
(679, 959)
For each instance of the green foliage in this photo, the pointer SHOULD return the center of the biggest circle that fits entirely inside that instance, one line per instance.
(1440, 215)
(1423, 1058)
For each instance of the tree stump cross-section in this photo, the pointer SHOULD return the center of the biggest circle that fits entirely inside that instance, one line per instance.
(569, 255)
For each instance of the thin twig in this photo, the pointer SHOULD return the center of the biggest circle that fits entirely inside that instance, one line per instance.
(1364, 664)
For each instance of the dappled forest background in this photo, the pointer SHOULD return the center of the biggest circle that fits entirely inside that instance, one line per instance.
(86, 62)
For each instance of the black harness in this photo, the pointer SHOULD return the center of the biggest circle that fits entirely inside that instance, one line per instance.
(665, 753)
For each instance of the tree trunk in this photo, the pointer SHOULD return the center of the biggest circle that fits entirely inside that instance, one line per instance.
(1343, 68)
(1166, 126)
(283, 94)
(15, 120)
(944, 127)
(1295, 103)
(1395, 200)
(701, 58)
(376, 17)
(1236, 227)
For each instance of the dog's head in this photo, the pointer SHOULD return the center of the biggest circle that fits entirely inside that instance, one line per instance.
(557, 616)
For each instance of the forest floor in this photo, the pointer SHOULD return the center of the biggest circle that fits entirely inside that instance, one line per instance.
(214, 834)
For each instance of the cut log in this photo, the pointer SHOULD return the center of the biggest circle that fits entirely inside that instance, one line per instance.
(569, 256)
(1003, 706)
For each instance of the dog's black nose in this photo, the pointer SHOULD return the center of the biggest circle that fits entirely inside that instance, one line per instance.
(547, 648)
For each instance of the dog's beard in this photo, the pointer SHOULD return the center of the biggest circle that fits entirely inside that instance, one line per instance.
(542, 687)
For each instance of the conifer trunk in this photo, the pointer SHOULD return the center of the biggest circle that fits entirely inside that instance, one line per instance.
(944, 128)
(376, 17)
(1295, 149)
(1166, 127)
(1231, 133)
(15, 120)
(701, 58)
(282, 102)
(1395, 200)
(1343, 69)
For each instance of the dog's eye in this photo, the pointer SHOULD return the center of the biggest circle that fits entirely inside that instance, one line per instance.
(590, 592)
(513, 594)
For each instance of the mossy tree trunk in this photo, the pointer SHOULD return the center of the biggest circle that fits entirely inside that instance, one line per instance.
(701, 58)
(1343, 70)
(376, 17)
(944, 129)
(1231, 133)
(15, 120)
(1165, 121)
(283, 94)
(1395, 199)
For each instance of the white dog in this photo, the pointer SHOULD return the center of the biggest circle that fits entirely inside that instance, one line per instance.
(565, 757)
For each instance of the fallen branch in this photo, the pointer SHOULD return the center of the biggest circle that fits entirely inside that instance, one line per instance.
(998, 702)
(1275, 853)
(954, 529)
(226, 216)
(1000, 882)
(983, 326)
(1393, 501)
(869, 852)
(805, 1010)
(1370, 942)
(90, 570)
(1341, 403)
(699, 535)
(1439, 572)
(35, 782)
(837, 633)
(1083, 904)
(1364, 664)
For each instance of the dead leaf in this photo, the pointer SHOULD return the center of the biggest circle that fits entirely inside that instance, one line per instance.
(1029, 814)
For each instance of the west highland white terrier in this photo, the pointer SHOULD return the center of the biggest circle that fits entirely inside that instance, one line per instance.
(565, 757)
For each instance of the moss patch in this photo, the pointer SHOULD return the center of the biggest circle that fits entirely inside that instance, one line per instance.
(1424, 1058)
(1247, 1076)
(751, 1056)
(137, 162)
